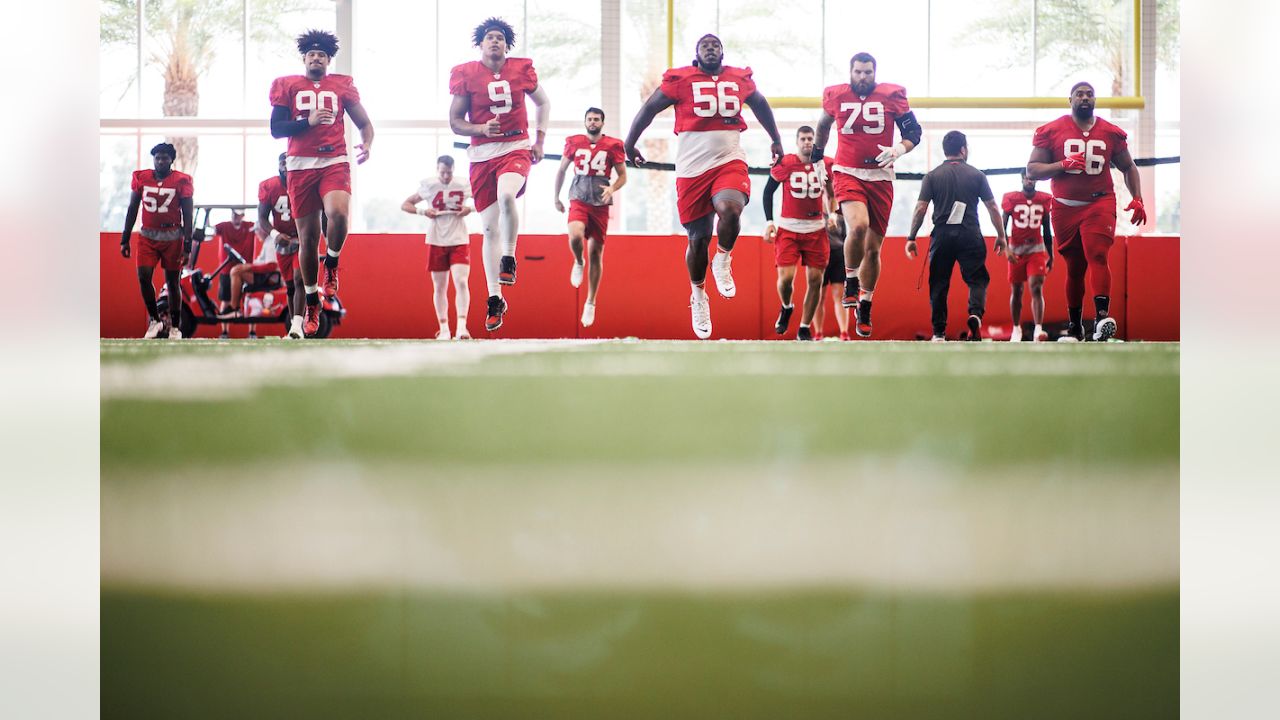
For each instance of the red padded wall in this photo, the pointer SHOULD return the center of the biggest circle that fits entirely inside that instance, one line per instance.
(645, 291)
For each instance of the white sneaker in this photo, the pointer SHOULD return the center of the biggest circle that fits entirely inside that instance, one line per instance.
(462, 334)
(1104, 329)
(937, 338)
(295, 328)
(722, 271)
(175, 333)
(443, 333)
(701, 308)
(154, 328)
(1067, 338)
(575, 275)
(1015, 335)
(588, 314)
(1040, 335)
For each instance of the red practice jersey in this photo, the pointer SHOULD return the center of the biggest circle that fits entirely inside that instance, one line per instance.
(240, 238)
(322, 145)
(802, 190)
(1029, 216)
(1099, 145)
(596, 159)
(274, 193)
(708, 102)
(864, 124)
(161, 209)
(496, 94)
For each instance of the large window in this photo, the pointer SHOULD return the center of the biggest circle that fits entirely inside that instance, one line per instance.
(197, 73)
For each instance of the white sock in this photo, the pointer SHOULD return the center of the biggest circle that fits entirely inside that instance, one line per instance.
(491, 249)
(333, 253)
(1039, 329)
(726, 252)
(804, 325)
(311, 289)
(865, 295)
(788, 306)
(700, 292)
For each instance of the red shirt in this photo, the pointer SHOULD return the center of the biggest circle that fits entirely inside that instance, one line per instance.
(239, 238)
(300, 94)
(1029, 215)
(596, 158)
(802, 187)
(708, 102)
(864, 124)
(272, 192)
(161, 209)
(1099, 144)
(499, 95)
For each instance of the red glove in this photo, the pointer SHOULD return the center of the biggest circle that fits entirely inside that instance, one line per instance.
(1139, 212)
(1073, 162)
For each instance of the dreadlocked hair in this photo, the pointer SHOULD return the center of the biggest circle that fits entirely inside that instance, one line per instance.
(321, 40)
(494, 23)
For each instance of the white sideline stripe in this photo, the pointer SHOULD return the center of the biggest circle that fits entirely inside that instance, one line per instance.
(225, 372)
(228, 372)
(900, 526)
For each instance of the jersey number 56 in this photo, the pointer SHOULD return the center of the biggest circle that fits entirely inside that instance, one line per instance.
(717, 102)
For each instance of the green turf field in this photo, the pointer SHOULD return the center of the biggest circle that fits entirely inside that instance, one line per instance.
(639, 529)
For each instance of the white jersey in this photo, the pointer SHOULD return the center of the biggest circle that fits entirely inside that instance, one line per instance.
(448, 228)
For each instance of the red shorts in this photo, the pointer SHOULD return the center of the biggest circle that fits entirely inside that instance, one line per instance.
(287, 263)
(808, 249)
(484, 176)
(1095, 222)
(595, 217)
(1023, 265)
(165, 253)
(877, 195)
(693, 194)
(307, 188)
(441, 257)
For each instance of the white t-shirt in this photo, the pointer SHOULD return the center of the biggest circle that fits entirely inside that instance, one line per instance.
(448, 228)
(700, 151)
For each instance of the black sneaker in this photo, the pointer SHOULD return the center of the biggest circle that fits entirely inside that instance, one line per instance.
(804, 333)
(253, 335)
(507, 270)
(784, 319)
(1076, 332)
(863, 324)
(497, 307)
(851, 290)
(975, 327)
(224, 335)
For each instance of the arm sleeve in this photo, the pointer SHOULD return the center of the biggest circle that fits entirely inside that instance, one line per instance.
(909, 127)
(282, 126)
(770, 186)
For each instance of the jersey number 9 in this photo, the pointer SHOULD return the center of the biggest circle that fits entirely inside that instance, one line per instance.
(500, 93)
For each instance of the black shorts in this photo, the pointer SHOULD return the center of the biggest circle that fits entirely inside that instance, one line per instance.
(835, 266)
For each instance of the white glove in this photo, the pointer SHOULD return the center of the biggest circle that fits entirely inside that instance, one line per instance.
(889, 154)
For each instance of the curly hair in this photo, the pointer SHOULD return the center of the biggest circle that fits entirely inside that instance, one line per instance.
(165, 148)
(325, 42)
(494, 23)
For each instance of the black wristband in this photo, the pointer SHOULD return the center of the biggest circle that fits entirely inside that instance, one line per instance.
(288, 128)
(815, 155)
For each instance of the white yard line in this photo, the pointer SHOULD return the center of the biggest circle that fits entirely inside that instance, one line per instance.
(896, 526)
(231, 371)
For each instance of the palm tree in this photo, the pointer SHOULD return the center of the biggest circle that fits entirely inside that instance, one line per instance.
(187, 35)
(1076, 34)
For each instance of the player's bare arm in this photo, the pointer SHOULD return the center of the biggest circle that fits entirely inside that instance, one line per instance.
(410, 204)
(760, 106)
(917, 220)
(1002, 241)
(656, 103)
(460, 126)
(188, 207)
(365, 125)
(263, 227)
(539, 98)
(1041, 166)
(1123, 162)
(564, 165)
(821, 134)
(130, 219)
(621, 170)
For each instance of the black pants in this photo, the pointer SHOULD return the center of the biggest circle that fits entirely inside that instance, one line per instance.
(948, 246)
